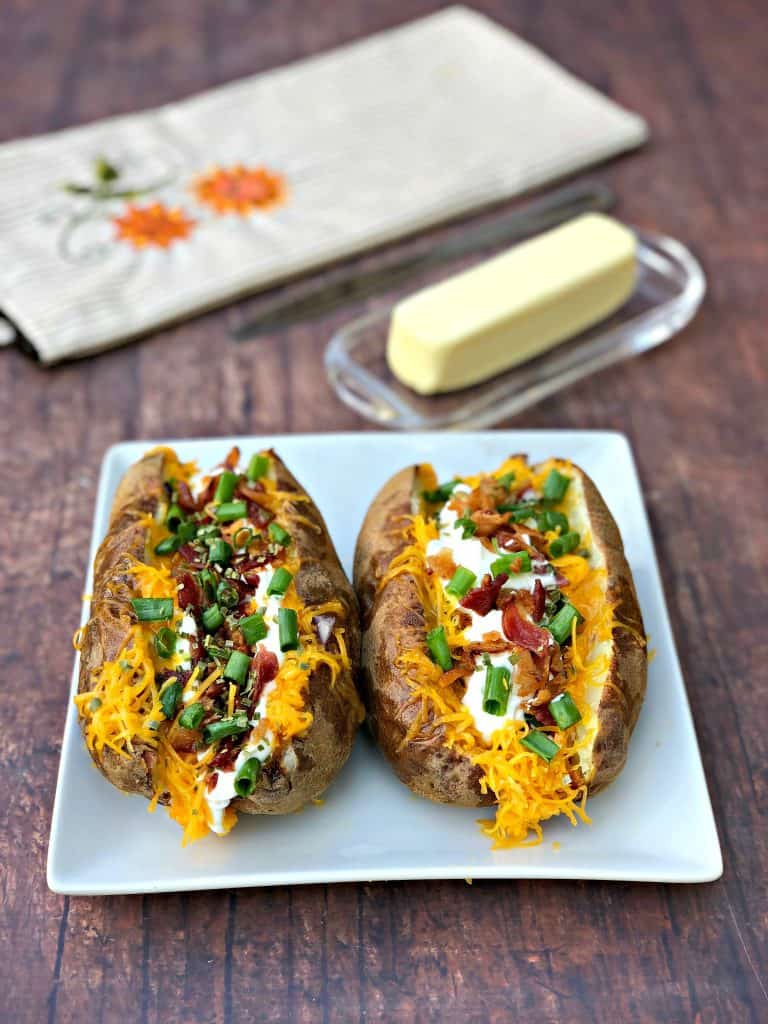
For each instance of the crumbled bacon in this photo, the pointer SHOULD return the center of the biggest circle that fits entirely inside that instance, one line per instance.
(483, 598)
(265, 667)
(207, 494)
(253, 491)
(232, 459)
(210, 782)
(442, 563)
(488, 523)
(185, 497)
(520, 631)
(191, 556)
(189, 593)
(258, 515)
(539, 601)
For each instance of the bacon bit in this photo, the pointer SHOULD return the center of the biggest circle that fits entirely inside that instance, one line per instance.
(258, 515)
(463, 619)
(442, 563)
(248, 490)
(542, 715)
(324, 627)
(483, 598)
(489, 523)
(207, 494)
(464, 668)
(492, 643)
(527, 677)
(521, 632)
(215, 690)
(185, 497)
(188, 592)
(266, 668)
(190, 556)
(539, 601)
(560, 580)
(232, 459)
(251, 577)
(226, 757)
(210, 782)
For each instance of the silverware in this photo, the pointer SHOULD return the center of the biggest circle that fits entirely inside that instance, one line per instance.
(350, 285)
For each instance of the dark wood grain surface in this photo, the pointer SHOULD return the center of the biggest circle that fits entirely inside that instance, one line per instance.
(695, 412)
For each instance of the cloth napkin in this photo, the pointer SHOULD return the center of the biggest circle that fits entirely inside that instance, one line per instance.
(110, 230)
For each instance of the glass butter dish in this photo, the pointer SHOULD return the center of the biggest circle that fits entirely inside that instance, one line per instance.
(670, 288)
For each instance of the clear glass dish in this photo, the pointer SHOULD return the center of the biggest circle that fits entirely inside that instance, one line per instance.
(670, 288)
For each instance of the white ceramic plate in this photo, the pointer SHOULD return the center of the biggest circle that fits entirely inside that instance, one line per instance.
(653, 824)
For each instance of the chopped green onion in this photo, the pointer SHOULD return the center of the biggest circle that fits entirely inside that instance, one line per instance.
(165, 642)
(228, 511)
(279, 583)
(441, 493)
(539, 743)
(564, 711)
(439, 649)
(153, 609)
(208, 532)
(168, 545)
(225, 488)
(461, 582)
(174, 517)
(94, 704)
(227, 594)
(247, 777)
(215, 651)
(555, 486)
(288, 629)
(257, 467)
(551, 520)
(468, 527)
(279, 535)
(187, 531)
(243, 536)
(521, 510)
(220, 551)
(226, 727)
(169, 698)
(213, 618)
(237, 667)
(561, 625)
(207, 580)
(512, 563)
(562, 545)
(192, 716)
(496, 691)
(505, 480)
(254, 628)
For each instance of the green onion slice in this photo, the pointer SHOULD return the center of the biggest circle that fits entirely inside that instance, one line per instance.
(247, 777)
(551, 520)
(288, 629)
(225, 488)
(228, 511)
(207, 581)
(279, 535)
(226, 727)
(506, 479)
(539, 743)
(562, 545)
(227, 594)
(467, 526)
(562, 622)
(564, 711)
(220, 551)
(254, 628)
(192, 716)
(496, 691)
(174, 517)
(236, 669)
(439, 649)
(512, 563)
(555, 486)
(153, 609)
(461, 582)
(213, 618)
(187, 531)
(165, 642)
(168, 545)
(441, 493)
(257, 467)
(279, 583)
(169, 698)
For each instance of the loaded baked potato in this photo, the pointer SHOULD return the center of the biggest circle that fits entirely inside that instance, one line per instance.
(503, 656)
(217, 665)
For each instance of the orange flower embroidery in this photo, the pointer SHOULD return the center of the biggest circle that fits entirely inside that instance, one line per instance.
(155, 224)
(240, 189)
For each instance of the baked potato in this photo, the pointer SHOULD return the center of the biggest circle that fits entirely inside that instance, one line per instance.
(217, 666)
(503, 653)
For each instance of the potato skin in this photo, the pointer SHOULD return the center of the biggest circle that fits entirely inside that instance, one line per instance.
(322, 750)
(393, 621)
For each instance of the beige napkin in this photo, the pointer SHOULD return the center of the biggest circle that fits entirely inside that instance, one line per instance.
(112, 229)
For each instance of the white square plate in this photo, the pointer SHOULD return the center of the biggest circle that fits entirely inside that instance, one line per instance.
(654, 823)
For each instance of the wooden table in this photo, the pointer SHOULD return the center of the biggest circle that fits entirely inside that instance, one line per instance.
(695, 412)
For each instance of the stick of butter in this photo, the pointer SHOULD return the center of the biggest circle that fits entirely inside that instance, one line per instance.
(512, 307)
